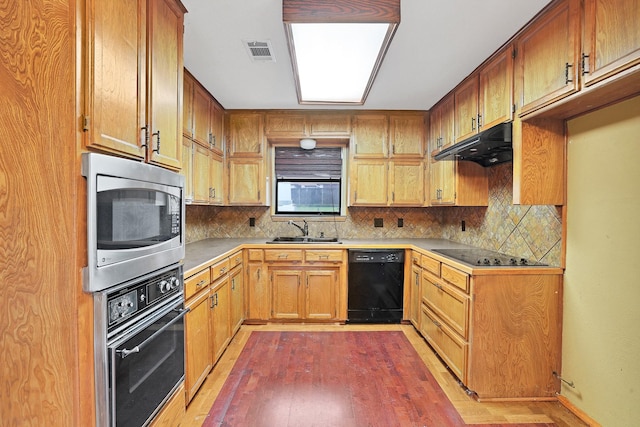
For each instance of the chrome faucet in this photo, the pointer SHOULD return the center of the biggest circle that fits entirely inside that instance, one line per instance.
(305, 230)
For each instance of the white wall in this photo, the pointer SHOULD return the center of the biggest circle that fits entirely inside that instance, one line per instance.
(601, 337)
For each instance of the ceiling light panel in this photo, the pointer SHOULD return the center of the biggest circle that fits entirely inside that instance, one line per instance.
(337, 47)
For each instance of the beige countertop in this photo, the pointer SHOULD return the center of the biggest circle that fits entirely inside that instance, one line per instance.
(202, 253)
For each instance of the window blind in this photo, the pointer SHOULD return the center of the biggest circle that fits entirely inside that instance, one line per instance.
(319, 163)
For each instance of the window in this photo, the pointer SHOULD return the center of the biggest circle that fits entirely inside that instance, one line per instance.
(308, 182)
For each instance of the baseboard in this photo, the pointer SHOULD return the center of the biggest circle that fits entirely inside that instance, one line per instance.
(578, 412)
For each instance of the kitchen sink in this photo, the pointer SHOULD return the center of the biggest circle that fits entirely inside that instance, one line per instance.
(304, 239)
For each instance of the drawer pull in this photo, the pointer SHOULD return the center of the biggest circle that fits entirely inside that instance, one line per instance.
(438, 285)
(283, 255)
(438, 325)
(200, 283)
(324, 256)
(223, 270)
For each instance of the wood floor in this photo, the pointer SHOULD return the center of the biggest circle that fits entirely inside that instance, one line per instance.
(471, 411)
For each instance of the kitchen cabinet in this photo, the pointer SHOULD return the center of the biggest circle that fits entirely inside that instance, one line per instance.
(201, 111)
(611, 41)
(187, 168)
(441, 125)
(304, 294)
(165, 27)
(369, 138)
(247, 182)
(304, 284)
(236, 283)
(245, 134)
(547, 57)
(216, 179)
(407, 135)
(198, 361)
(464, 318)
(220, 299)
(214, 295)
(258, 295)
(415, 296)
(495, 97)
(201, 173)
(285, 124)
(466, 108)
(406, 182)
(368, 182)
(132, 80)
(216, 129)
(321, 124)
(458, 183)
(485, 99)
(188, 82)
(313, 124)
(387, 183)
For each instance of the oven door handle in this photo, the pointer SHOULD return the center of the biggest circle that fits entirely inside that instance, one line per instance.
(125, 352)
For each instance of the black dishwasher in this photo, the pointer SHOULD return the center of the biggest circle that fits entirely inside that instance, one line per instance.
(376, 283)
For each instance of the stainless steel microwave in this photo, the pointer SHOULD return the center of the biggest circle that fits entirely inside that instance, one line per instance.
(135, 219)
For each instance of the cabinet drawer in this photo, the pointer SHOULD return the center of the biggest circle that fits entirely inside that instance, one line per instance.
(448, 345)
(219, 269)
(455, 277)
(235, 259)
(448, 303)
(254, 255)
(274, 255)
(323, 255)
(195, 283)
(431, 265)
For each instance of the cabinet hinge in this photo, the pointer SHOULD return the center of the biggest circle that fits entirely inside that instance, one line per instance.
(514, 53)
(513, 108)
(86, 121)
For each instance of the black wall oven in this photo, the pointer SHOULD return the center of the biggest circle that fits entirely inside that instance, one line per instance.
(139, 347)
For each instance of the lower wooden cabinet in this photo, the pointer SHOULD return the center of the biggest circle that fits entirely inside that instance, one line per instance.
(304, 294)
(296, 284)
(215, 299)
(499, 332)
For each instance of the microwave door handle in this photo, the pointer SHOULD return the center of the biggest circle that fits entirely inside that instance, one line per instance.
(125, 352)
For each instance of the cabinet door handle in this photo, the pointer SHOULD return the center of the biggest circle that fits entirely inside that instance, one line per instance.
(145, 128)
(473, 123)
(567, 80)
(479, 121)
(585, 67)
(157, 134)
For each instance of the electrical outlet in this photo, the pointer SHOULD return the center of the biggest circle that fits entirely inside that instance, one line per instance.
(252, 222)
(400, 222)
(377, 222)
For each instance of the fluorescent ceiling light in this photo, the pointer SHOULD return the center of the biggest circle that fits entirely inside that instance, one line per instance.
(336, 50)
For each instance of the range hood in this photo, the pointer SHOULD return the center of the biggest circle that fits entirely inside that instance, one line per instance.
(489, 147)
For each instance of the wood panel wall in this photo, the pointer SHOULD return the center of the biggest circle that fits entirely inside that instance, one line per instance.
(39, 177)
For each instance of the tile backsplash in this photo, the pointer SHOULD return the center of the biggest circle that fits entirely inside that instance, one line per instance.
(533, 232)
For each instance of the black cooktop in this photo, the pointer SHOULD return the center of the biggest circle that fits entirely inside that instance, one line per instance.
(487, 258)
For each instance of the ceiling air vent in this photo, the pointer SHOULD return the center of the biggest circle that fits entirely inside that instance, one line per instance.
(260, 50)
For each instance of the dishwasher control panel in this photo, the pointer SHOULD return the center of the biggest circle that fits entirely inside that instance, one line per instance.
(376, 256)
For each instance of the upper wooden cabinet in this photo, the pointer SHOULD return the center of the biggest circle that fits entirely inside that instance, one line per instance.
(203, 117)
(245, 134)
(406, 183)
(300, 124)
(407, 134)
(165, 27)
(369, 138)
(368, 183)
(441, 125)
(466, 108)
(114, 76)
(611, 38)
(132, 79)
(329, 124)
(547, 57)
(247, 182)
(485, 99)
(495, 97)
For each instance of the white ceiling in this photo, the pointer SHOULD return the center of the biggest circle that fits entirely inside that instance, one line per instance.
(436, 45)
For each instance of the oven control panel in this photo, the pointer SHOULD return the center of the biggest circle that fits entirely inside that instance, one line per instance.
(143, 294)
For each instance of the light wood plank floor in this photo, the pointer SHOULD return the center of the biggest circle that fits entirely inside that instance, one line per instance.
(471, 411)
